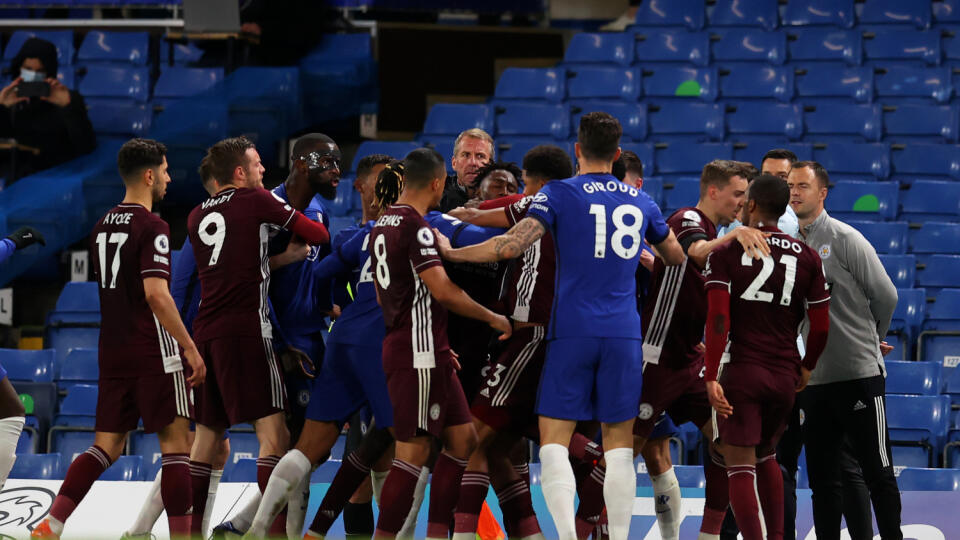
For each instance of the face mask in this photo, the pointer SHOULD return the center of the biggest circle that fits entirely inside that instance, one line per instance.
(29, 75)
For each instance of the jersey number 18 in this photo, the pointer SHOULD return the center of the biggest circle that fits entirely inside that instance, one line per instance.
(622, 231)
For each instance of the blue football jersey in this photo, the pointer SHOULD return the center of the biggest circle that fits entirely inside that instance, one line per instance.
(361, 322)
(460, 233)
(598, 225)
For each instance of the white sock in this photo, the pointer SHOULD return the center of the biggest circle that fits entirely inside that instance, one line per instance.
(285, 478)
(559, 488)
(215, 476)
(10, 428)
(297, 507)
(241, 520)
(56, 526)
(410, 525)
(619, 491)
(150, 511)
(377, 479)
(667, 489)
(708, 536)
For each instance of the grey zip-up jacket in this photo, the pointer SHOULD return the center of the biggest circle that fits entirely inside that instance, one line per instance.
(862, 300)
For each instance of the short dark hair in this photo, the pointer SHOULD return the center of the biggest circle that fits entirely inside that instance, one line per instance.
(748, 170)
(818, 171)
(599, 136)
(779, 153)
(204, 171)
(226, 155)
(627, 162)
(548, 162)
(369, 162)
(508, 166)
(421, 166)
(771, 195)
(718, 173)
(138, 154)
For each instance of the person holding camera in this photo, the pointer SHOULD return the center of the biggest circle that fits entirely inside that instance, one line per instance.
(43, 122)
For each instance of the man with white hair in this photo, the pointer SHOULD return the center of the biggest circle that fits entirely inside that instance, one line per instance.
(473, 149)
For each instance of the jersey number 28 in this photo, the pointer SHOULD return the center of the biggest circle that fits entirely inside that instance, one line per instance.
(622, 231)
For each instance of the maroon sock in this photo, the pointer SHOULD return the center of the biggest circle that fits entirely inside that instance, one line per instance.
(770, 489)
(519, 518)
(352, 472)
(583, 449)
(591, 502)
(83, 472)
(176, 493)
(396, 498)
(444, 492)
(473, 491)
(523, 471)
(265, 466)
(199, 485)
(717, 496)
(745, 501)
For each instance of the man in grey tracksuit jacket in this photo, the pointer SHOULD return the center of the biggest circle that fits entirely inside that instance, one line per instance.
(845, 395)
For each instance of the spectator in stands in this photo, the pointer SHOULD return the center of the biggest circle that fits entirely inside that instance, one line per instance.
(48, 129)
(472, 150)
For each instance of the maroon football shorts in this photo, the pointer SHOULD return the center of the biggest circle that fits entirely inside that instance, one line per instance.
(425, 400)
(762, 400)
(158, 399)
(244, 382)
(508, 396)
(680, 392)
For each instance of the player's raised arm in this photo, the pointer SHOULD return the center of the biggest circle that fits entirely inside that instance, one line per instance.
(161, 302)
(312, 232)
(456, 300)
(508, 245)
(754, 243)
(492, 217)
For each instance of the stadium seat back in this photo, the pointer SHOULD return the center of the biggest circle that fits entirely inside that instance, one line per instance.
(602, 48)
(757, 81)
(103, 46)
(61, 39)
(29, 366)
(911, 308)
(870, 160)
(109, 81)
(645, 152)
(81, 401)
(886, 238)
(70, 444)
(917, 418)
(761, 13)
(938, 123)
(902, 269)
(816, 44)
(819, 13)
(533, 119)
(924, 479)
(244, 470)
(548, 84)
(183, 53)
(675, 45)
(935, 237)
(895, 12)
(124, 469)
(830, 81)
(604, 82)
(147, 446)
(180, 82)
(825, 121)
(750, 46)
(81, 366)
(704, 121)
(396, 150)
(940, 271)
(752, 152)
(453, 118)
(689, 158)
(922, 47)
(514, 148)
(63, 338)
(931, 200)
(931, 160)
(687, 13)
(751, 117)
(653, 186)
(863, 200)
(947, 11)
(681, 82)
(632, 116)
(119, 117)
(37, 467)
(79, 297)
(914, 378)
(897, 81)
(690, 476)
(679, 193)
(243, 444)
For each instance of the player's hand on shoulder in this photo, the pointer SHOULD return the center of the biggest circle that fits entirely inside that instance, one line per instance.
(197, 366)
(804, 378)
(501, 324)
(443, 243)
(297, 362)
(754, 241)
(297, 249)
(718, 400)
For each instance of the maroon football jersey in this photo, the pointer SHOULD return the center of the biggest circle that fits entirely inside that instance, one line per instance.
(531, 281)
(675, 310)
(768, 298)
(401, 246)
(127, 245)
(229, 234)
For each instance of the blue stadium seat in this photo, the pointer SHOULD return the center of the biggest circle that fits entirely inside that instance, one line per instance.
(128, 47)
(753, 151)
(819, 13)
(443, 145)
(946, 12)
(27, 365)
(921, 47)
(830, 81)
(750, 46)
(62, 39)
(902, 269)
(689, 158)
(753, 81)
(931, 200)
(930, 160)
(653, 186)
(124, 469)
(342, 203)
(116, 82)
(939, 271)
(180, 82)
(914, 82)
(453, 118)
(81, 366)
(914, 12)
(604, 82)
(836, 121)
(183, 53)
(690, 476)
(935, 237)
(147, 446)
(939, 340)
(243, 444)
(697, 121)
(910, 122)
(65, 336)
(914, 378)
(533, 119)
(514, 148)
(886, 238)
(645, 152)
(679, 193)
(687, 13)
(548, 84)
(910, 456)
(398, 150)
(603, 48)
(907, 316)
(952, 389)
(818, 44)
(79, 302)
(632, 116)
(863, 200)
(672, 46)
(37, 467)
(866, 161)
(79, 407)
(783, 120)
(119, 117)
(762, 13)
(325, 473)
(685, 82)
(69, 444)
(923, 479)
(244, 470)
(918, 421)
(29, 441)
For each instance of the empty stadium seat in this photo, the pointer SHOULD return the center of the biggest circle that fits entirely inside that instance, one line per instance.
(548, 84)
(931, 200)
(896, 12)
(453, 118)
(907, 317)
(672, 46)
(938, 123)
(695, 121)
(914, 378)
(27, 365)
(79, 302)
(69, 444)
(757, 81)
(783, 120)
(753, 151)
(37, 467)
(840, 121)
(119, 117)
(645, 152)
(933, 83)
(243, 444)
(762, 13)
(101, 46)
(183, 53)
(935, 237)
(653, 186)
(939, 341)
(179, 82)
(749, 46)
(604, 48)
(244, 470)
(79, 407)
(81, 366)
(396, 150)
(513, 149)
(939, 271)
(819, 13)
(116, 82)
(632, 116)
(946, 11)
(918, 421)
(124, 469)
(829, 81)
(680, 193)
(921, 47)
(604, 82)
(29, 441)
(863, 200)
(533, 119)
(888, 237)
(825, 44)
(689, 158)
(61, 39)
(866, 161)
(684, 82)
(924, 479)
(147, 446)
(930, 160)
(902, 269)
(688, 13)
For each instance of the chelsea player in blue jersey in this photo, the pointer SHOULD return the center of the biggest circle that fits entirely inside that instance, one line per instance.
(594, 361)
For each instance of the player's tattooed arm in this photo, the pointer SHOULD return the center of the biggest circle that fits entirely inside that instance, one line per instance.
(508, 245)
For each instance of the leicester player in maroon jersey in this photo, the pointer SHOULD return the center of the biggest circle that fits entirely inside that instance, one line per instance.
(415, 292)
(761, 304)
(142, 374)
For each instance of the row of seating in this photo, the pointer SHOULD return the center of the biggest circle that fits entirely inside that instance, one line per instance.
(100, 46)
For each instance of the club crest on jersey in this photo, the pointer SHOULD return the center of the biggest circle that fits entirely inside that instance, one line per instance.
(645, 412)
(162, 244)
(824, 251)
(435, 411)
(425, 236)
(692, 216)
(540, 197)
